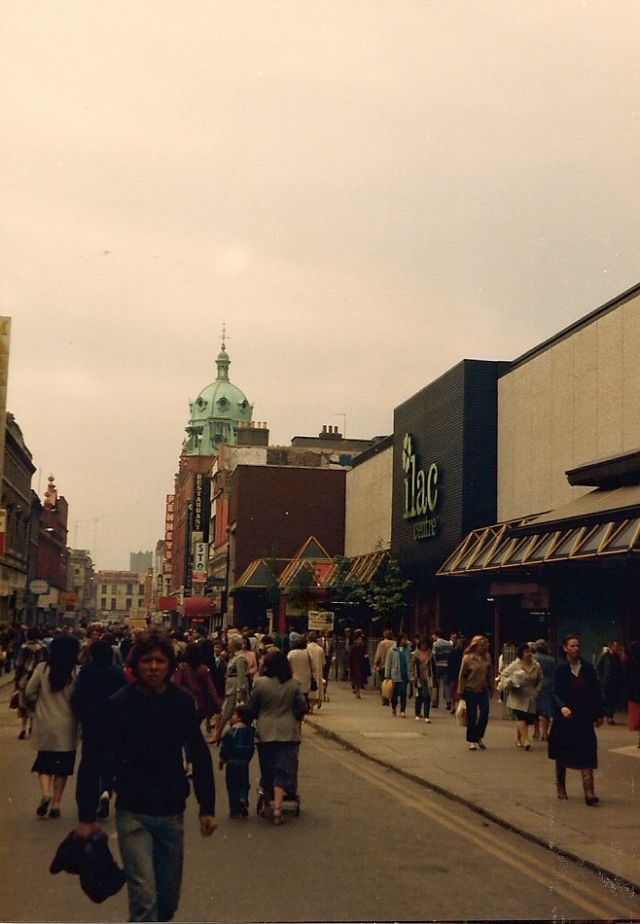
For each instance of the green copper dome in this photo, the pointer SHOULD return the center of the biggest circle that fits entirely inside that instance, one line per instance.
(216, 412)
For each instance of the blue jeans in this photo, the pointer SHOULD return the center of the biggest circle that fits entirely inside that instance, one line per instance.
(477, 714)
(152, 853)
(399, 691)
(423, 700)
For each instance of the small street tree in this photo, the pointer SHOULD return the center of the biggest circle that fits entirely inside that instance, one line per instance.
(386, 595)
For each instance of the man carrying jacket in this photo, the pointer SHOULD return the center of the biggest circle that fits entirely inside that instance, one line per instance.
(148, 725)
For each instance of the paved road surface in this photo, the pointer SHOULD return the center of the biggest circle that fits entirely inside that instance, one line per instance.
(367, 846)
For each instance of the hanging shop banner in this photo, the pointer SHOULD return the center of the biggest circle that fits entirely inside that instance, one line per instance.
(200, 561)
(201, 505)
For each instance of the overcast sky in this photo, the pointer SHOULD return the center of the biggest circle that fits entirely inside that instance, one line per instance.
(365, 192)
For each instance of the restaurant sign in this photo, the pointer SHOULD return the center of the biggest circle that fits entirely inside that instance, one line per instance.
(421, 494)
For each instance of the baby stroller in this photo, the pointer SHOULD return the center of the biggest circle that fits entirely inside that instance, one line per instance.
(290, 803)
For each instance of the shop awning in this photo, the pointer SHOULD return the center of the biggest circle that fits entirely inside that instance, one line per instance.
(195, 607)
(597, 525)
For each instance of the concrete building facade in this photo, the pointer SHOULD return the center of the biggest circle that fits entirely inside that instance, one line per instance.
(368, 500)
(573, 399)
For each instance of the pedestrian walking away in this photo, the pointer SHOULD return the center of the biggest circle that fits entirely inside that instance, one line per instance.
(98, 680)
(55, 728)
(578, 707)
(236, 751)
(544, 704)
(475, 686)
(358, 661)
(610, 678)
(397, 670)
(277, 705)
(149, 722)
(30, 654)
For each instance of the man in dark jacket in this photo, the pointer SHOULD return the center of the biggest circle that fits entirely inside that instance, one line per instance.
(149, 723)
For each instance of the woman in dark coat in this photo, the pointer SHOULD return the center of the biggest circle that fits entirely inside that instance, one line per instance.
(358, 663)
(578, 707)
(632, 686)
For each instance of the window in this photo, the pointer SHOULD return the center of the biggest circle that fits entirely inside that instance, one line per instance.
(113, 604)
(128, 603)
(141, 588)
(129, 588)
(103, 589)
(103, 603)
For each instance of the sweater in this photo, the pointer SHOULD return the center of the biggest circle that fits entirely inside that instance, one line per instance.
(146, 734)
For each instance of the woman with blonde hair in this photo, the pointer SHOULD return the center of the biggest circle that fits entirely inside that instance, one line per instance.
(475, 686)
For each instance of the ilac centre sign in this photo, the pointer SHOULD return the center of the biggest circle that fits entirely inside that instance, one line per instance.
(421, 494)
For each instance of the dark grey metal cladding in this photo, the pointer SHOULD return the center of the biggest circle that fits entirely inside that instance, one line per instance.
(453, 422)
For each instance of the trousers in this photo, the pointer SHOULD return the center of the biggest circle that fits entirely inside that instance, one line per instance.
(237, 780)
(152, 853)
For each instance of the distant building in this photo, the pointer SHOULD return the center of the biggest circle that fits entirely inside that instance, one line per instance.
(80, 584)
(117, 593)
(52, 554)
(140, 561)
(15, 513)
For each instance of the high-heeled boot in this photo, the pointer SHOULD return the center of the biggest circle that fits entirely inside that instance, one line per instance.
(561, 781)
(587, 784)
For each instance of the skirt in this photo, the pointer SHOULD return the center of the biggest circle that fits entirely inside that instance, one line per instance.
(279, 765)
(528, 717)
(633, 715)
(54, 763)
(573, 743)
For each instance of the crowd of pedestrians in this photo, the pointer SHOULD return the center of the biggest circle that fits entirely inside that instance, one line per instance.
(148, 708)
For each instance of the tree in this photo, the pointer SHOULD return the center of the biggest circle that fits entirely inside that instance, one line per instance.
(386, 594)
(300, 592)
(346, 589)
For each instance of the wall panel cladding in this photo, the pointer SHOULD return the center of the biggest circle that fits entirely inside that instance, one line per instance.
(275, 510)
(453, 422)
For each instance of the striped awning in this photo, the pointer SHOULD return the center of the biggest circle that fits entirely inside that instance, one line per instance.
(527, 543)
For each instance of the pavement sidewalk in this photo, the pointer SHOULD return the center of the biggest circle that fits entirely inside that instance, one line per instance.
(512, 787)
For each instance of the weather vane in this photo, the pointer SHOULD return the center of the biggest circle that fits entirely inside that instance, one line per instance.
(224, 334)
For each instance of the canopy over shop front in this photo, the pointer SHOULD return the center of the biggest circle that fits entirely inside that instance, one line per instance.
(602, 523)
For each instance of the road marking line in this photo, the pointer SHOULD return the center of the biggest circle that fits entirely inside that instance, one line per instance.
(546, 874)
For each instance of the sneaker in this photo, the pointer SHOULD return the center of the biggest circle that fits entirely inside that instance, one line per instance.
(403, 715)
(482, 745)
(473, 746)
(428, 721)
(418, 718)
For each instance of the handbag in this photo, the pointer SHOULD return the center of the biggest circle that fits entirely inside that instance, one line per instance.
(15, 700)
(386, 688)
(461, 713)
